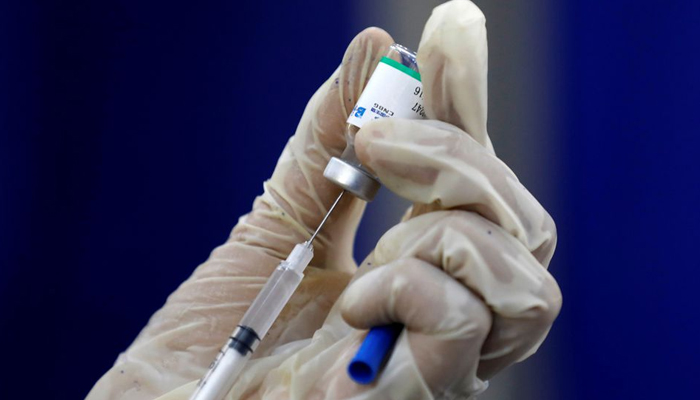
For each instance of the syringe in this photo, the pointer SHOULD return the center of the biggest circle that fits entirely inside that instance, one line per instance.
(394, 90)
(257, 320)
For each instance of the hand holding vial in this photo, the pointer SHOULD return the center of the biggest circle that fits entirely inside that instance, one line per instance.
(464, 271)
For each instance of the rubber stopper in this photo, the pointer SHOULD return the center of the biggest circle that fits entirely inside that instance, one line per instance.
(374, 353)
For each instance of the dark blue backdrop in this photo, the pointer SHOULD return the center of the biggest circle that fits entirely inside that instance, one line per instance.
(132, 135)
(628, 261)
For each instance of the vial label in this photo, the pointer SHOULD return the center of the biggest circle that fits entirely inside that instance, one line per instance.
(394, 90)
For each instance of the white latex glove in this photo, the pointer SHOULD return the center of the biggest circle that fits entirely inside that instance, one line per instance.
(465, 270)
(182, 338)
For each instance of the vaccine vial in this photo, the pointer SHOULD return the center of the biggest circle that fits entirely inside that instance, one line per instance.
(393, 90)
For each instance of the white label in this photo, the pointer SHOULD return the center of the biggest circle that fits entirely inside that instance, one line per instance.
(394, 90)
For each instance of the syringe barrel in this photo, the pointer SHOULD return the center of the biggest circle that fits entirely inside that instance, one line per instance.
(271, 300)
(277, 291)
(256, 322)
(266, 307)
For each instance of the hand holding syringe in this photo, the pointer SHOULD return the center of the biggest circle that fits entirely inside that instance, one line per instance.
(466, 262)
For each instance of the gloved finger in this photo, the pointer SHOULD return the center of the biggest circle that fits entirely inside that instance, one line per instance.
(442, 318)
(298, 186)
(522, 295)
(453, 60)
(435, 163)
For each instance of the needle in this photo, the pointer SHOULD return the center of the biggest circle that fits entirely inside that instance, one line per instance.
(328, 214)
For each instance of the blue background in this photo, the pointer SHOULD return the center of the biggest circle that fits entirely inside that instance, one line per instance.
(133, 135)
(631, 187)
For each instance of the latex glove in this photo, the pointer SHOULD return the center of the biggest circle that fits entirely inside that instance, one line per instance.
(182, 339)
(488, 303)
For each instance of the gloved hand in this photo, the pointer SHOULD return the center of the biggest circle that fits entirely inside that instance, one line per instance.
(182, 338)
(465, 270)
